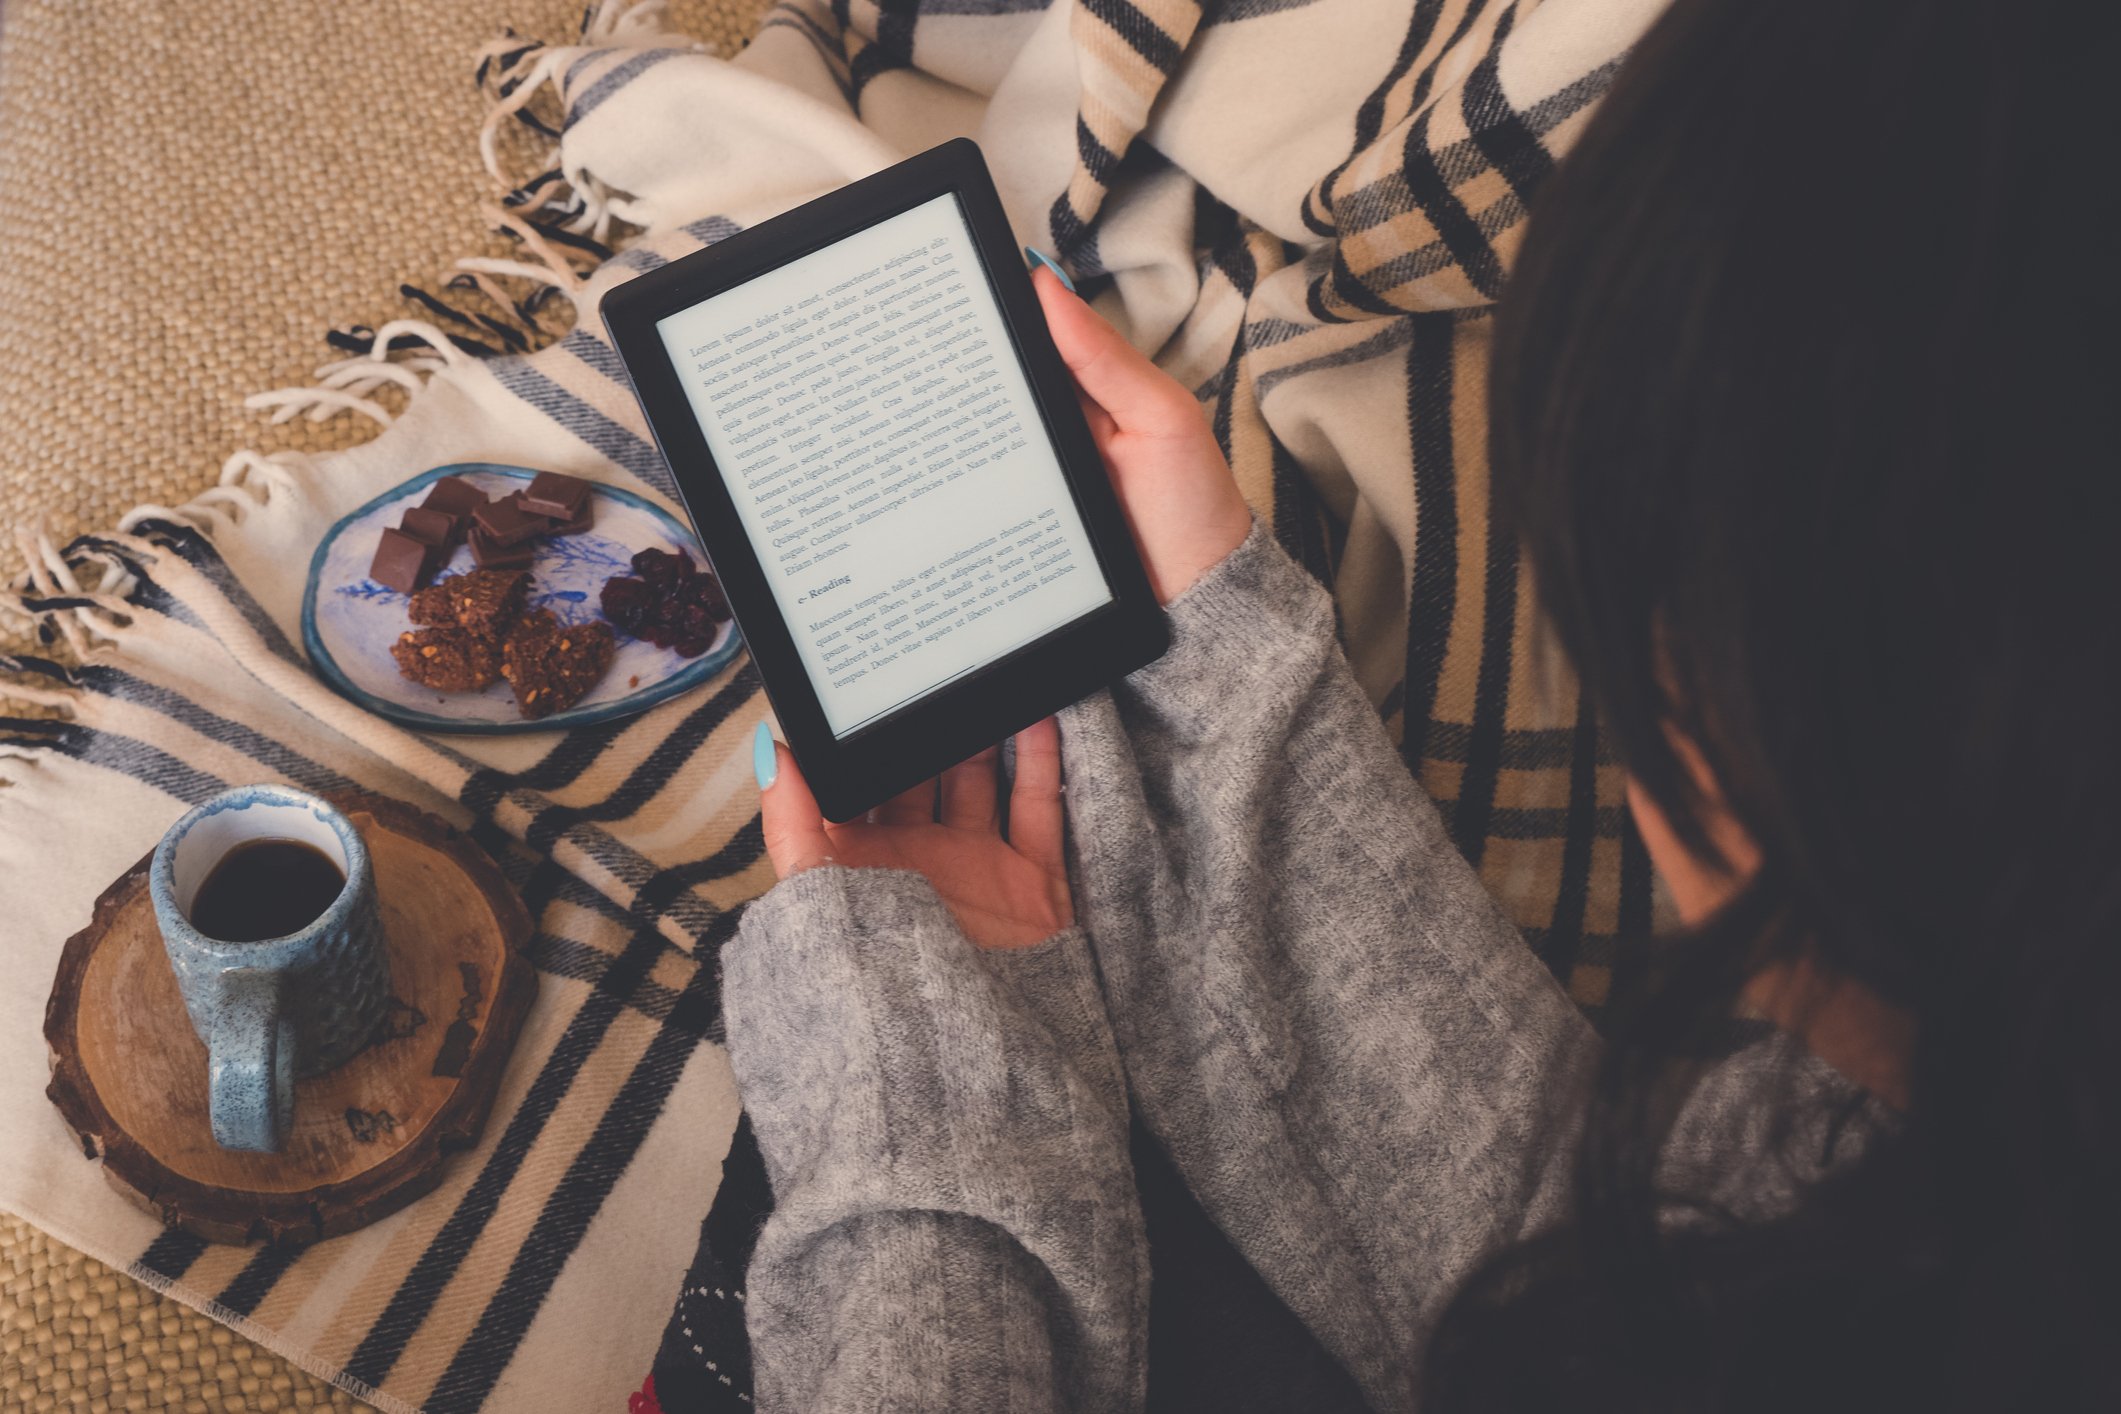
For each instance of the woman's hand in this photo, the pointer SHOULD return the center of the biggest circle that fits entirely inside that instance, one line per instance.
(1006, 892)
(1171, 477)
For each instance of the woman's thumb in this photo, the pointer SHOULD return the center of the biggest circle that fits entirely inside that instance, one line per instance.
(789, 817)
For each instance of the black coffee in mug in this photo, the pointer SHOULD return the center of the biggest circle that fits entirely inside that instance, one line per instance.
(265, 888)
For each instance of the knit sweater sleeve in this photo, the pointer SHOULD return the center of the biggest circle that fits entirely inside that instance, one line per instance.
(955, 1225)
(1351, 1056)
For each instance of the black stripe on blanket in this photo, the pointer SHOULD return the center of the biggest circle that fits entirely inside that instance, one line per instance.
(258, 1277)
(273, 755)
(1511, 147)
(171, 1254)
(1342, 280)
(891, 49)
(578, 962)
(573, 754)
(1455, 227)
(1472, 817)
(588, 425)
(655, 770)
(150, 765)
(1143, 35)
(566, 1216)
(607, 87)
(1306, 530)
(1434, 599)
(744, 849)
(414, 1300)
(1097, 159)
(1370, 117)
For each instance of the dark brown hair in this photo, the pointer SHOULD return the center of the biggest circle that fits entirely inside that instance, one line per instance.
(1804, 403)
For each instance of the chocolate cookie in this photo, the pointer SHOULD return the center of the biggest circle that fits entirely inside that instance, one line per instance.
(431, 606)
(447, 659)
(551, 664)
(486, 602)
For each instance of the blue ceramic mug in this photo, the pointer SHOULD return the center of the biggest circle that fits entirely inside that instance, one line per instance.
(282, 1007)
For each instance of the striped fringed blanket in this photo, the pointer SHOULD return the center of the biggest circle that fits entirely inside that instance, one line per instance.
(1305, 209)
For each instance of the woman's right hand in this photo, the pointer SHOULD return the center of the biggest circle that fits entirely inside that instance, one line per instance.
(1171, 478)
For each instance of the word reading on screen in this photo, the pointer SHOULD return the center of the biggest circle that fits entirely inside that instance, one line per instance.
(875, 429)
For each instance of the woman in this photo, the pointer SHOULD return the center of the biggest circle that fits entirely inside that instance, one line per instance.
(1797, 413)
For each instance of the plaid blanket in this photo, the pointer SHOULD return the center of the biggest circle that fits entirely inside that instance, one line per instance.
(1304, 209)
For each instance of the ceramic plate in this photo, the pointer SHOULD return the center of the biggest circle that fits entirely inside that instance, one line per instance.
(349, 621)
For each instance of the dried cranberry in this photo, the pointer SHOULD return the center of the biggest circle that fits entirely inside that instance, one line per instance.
(658, 567)
(628, 603)
(673, 604)
(689, 623)
(705, 591)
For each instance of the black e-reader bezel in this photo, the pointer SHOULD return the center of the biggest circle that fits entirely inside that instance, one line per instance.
(877, 760)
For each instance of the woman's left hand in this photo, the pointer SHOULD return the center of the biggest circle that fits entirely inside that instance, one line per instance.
(1005, 892)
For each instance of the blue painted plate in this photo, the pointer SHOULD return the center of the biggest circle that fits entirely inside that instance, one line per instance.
(349, 621)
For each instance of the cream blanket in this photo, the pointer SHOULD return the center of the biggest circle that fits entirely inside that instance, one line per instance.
(1303, 209)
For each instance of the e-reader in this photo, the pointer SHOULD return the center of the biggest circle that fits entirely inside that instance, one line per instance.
(889, 470)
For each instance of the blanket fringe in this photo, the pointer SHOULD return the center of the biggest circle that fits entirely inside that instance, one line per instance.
(80, 595)
(517, 73)
(580, 212)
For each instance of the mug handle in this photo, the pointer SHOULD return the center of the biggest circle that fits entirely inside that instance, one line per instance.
(251, 1063)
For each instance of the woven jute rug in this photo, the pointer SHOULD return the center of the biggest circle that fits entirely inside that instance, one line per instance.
(190, 196)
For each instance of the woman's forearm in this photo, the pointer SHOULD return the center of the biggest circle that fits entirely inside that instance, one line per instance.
(1353, 1058)
(955, 1225)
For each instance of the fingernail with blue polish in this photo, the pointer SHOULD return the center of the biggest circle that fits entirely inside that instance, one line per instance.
(1038, 257)
(765, 764)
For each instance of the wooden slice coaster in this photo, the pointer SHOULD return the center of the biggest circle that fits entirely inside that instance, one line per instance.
(129, 1073)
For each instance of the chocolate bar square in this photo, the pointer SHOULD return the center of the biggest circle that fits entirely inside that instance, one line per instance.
(506, 522)
(403, 562)
(556, 496)
(437, 528)
(455, 496)
(490, 554)
(586, 518)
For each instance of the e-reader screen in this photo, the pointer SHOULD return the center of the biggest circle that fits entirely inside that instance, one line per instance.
(875, 428)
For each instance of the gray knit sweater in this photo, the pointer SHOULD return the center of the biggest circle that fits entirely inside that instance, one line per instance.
(1358, 1067)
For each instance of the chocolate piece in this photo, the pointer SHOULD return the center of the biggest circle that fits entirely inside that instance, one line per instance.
(438, 528)
(486, 602)
(431, 606)
(506, 522)
(492, 555)
(403, 562)
(550, 664)
(447, 659)
(556, 496)
(581, 522)
(454, 496)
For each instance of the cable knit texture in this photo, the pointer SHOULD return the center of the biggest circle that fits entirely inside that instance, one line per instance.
(1354, 1061)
